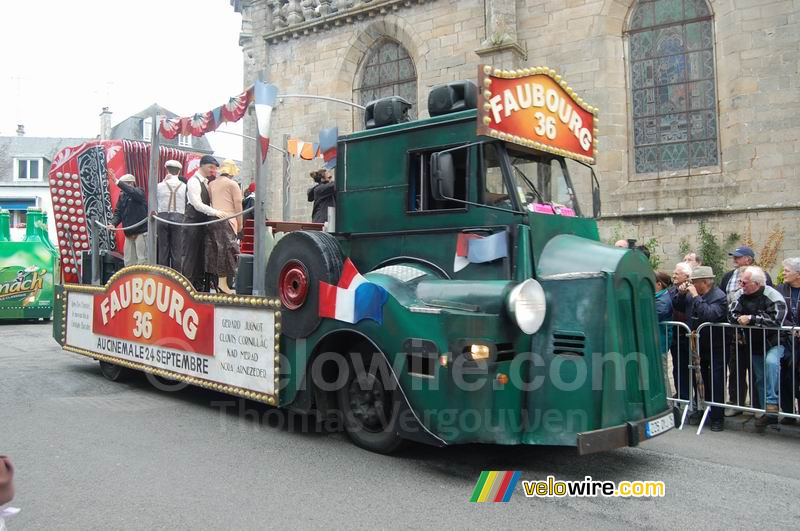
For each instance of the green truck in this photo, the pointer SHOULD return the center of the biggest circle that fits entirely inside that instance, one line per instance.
(459, 296)
(27, 269)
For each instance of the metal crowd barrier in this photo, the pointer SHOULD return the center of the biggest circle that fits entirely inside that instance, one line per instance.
(738, 346)
(683, 372)
(693, 392)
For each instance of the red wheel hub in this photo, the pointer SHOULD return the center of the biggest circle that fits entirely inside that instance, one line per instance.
(293, 284)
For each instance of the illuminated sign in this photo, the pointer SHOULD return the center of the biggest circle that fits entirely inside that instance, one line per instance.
(535, 108)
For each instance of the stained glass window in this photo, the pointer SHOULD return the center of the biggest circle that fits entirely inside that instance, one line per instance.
(388, 71)
(673, 98)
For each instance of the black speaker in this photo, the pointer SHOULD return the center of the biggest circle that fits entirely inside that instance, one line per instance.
(110, 263)
(244, 275)
(453, 97)
(386, 111)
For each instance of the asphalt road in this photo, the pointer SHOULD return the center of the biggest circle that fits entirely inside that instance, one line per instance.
(92, 454)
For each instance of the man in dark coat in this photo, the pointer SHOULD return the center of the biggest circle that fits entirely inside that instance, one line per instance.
(323, 194)
(131, 209)
(198, 210)
(702, 302)
(738, 368)
(759, 305)
(679, 343)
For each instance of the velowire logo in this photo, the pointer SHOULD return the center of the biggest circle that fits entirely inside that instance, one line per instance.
(494, 486)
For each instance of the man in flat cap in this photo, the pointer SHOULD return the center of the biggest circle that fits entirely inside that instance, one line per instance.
(198, 209)
(703, 302)
(131, 208)
(171, 200)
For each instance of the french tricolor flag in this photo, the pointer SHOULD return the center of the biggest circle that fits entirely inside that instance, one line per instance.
(264, 100)
(327, 146)
(353, 299)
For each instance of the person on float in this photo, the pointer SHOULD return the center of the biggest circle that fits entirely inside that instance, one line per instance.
(131, 209)
(198, 210)
(322, 194)
(171, 201)
(249, 201)
(222, 249)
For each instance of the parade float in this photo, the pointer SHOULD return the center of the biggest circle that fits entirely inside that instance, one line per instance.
(460, 293)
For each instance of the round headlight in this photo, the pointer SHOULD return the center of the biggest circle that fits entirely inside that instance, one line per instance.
(527, 305)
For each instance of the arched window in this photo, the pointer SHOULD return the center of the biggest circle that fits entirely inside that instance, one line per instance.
(673, 90)
(388, 71)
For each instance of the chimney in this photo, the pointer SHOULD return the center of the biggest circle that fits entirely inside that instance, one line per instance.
(105, 124)
(20, 130)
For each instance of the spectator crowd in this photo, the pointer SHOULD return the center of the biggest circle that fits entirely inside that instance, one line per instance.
(751, 364)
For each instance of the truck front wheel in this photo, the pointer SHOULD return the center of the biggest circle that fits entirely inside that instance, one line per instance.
(369, 402)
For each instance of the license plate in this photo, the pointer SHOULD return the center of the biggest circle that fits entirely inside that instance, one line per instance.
(660, 425)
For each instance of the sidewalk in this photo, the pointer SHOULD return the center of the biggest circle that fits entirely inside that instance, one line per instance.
(746, 422)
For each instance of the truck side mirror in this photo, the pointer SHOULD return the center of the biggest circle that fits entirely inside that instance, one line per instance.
(442, 176)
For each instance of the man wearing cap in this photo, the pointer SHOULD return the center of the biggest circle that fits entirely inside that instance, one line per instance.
(198, 210)
(171, 200)
(758, 305)
(738, 369)
(742, 257)
(131, 209)
(705, 303)
(222, 250)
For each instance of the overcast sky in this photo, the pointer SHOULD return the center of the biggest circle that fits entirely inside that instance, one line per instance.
(62, 61)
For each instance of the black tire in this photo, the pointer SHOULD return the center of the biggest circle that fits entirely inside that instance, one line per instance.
(312, 257)
(115, 373)
(369, 406)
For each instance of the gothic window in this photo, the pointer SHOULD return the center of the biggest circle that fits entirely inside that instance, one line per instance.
(673, 90)
(388, 71)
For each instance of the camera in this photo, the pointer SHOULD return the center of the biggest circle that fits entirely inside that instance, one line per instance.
(317, 175)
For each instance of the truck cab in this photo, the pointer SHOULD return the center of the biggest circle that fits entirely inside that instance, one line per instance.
(543, 335)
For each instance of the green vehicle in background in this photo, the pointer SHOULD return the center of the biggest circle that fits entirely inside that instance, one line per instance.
(27, 269)
(486, 309)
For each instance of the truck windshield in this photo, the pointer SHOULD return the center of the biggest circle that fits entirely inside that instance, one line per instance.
(542, 183)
